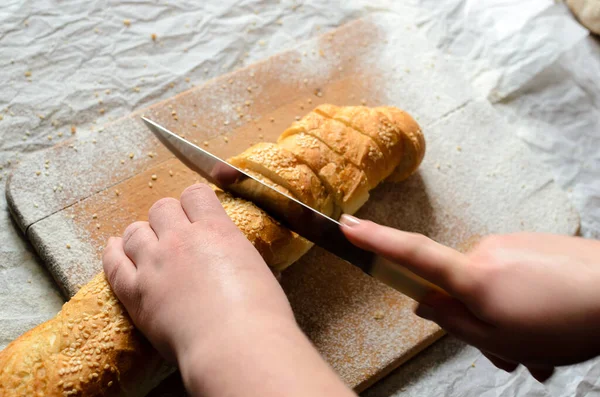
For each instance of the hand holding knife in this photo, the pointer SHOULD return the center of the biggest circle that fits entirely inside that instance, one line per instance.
(296, 216)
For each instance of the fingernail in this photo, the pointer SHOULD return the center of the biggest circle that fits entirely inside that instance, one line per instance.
(349, 220)
(425, 312)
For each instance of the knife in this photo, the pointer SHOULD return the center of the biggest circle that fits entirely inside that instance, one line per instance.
(309, 223)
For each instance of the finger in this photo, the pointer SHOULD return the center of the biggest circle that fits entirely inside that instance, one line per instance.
(224, 174)
(119, 269)
(541, 374)
(199, 202)
(165, 216)
(501, 363)
(455, 318)
(435, 262)
(137, 240)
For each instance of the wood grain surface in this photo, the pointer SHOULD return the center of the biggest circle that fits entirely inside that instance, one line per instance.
(477, 178)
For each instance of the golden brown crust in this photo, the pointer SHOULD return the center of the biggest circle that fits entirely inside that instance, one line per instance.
(345, 182)
(355, 147)
(278, 246)
(283, 168)
(91, 347)
(413, 142)
(372, 123)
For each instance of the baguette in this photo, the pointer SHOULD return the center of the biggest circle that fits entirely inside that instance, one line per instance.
(329, 160)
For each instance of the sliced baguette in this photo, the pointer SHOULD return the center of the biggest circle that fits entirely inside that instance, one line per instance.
(355, 147)
(283, 168)
(346, 182)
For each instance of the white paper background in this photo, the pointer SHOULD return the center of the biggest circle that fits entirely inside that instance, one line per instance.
(531, 59)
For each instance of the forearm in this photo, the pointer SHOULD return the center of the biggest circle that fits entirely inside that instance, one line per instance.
(260, 360)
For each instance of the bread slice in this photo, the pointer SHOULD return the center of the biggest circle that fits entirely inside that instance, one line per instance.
(375, 125)
(355, 147)
(346, 182)
(268, 182)
(283, 168)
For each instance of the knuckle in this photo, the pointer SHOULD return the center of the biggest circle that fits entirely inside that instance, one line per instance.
(219, 227)
(133, 228)
(198, 189)
(165, 201)
(106, 254)
(173, 243)
(132, 236)
(112, 272)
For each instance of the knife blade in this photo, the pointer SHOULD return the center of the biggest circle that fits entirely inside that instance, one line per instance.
(309, 223)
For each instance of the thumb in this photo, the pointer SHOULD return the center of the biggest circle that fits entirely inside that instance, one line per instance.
(434, 262)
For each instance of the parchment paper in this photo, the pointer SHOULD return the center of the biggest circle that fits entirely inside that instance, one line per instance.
(85, 63)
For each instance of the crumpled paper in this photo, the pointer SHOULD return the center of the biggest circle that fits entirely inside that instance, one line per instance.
(500, 44)
(84, 64)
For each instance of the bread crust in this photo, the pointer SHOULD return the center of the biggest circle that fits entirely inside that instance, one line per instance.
(344, 181)
(90, 348)
(413, 142)
(355, 147)
(283, 168)
(278, 246)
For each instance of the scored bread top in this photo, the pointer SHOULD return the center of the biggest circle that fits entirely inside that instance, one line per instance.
(357, 148)
(346, 182)
(372, 123)
(283, 168)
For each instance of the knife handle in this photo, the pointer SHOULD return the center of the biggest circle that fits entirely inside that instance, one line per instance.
(402, 279)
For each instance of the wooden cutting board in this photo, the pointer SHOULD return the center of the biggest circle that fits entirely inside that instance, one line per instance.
(477, 178)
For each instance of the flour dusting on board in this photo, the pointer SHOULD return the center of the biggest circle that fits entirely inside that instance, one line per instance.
(77, 169)
(66, 250)
(363, 330)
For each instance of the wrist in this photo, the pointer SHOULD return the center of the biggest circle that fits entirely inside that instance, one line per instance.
(241, 337)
